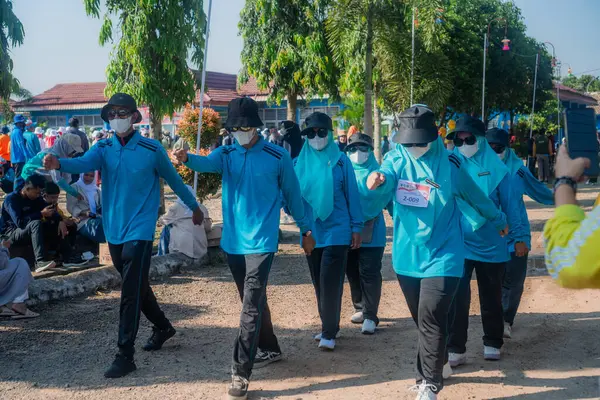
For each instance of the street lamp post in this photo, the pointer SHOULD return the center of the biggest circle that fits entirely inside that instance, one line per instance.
(505, 47)
(555, 65)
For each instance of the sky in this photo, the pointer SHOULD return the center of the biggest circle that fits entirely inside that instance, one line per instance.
(61, 42)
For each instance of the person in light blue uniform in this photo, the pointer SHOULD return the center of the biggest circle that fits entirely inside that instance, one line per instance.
(330, 193)
(522, 182)
(18, 150)
(32, 143)
(486, 250)
(131, 167)
(428, 252)
(363, 267)
(254, 173)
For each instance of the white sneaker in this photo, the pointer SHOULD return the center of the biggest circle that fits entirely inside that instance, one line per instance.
(491, 353)
(456, 359)
(88, 255)
(425, 391)
(368, 327)
(318, 336)
(507, 330)
(327, 344)
(447, 371)
(357, 318)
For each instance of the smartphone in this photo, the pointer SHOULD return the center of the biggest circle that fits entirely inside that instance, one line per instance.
(582, 140)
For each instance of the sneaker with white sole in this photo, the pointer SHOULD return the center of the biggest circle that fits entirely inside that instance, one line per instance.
(425, 391)
(447, 371)
(507, 331)
(327, 344)
(368, 327)
(357, 318)
(265, 357)
(74, 261)
(491, 353)
(318, 336)
(456, 359)
(238, 388)
(44, 265)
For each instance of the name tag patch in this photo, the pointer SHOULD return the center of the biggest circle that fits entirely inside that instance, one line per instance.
(484, 173)
(412, 194)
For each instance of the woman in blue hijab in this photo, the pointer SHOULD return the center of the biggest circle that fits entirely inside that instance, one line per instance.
(332, 203)
(522, 182)
(486, 250)
(428, 252)
(364, 264)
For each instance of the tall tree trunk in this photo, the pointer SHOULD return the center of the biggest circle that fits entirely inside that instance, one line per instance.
(369, 73)
(377, 123)
(156, 132)
(292, 101)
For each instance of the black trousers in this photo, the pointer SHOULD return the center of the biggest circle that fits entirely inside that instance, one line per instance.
(132, 260)
(18, 168)
(489, 282)
(43, 236)
(363, 270)
(429, 301)
(251, 274)
(327, 265)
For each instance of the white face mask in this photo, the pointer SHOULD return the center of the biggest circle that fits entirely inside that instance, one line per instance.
(359, 157)
(418, 152)
(502, 155)
(318, 143)
(469, 151)
(243, 138)
(120, 125)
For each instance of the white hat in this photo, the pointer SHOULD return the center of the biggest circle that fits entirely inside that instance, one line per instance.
(38, 131)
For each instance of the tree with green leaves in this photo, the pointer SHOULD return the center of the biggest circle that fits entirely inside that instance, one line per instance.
(583, 83)
(285, 50)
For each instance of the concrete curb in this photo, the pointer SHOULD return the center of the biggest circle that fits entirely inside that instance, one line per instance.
(89, 281)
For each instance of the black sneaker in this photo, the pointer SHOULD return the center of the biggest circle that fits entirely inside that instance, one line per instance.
(44, 265)
(238, 388)
(74, 261)
(264, 358)
(158, 337)
(120, 367)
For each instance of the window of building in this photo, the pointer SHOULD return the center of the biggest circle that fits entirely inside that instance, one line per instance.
(332, 111)
(52, 121)
(89, 120)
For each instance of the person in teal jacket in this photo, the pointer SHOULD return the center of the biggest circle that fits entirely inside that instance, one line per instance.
(32, 143)
(330, 193)
(363, 267)
(486, 250)
(428, 252)
(522, 182)
(18, 150)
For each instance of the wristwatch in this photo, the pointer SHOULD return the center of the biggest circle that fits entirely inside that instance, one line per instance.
(565, 180)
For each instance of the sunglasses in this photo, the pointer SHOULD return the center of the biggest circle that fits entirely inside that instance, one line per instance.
(360, 147)
(498, 148)
(240, 128)
(415, 144)
(112, 114)
(321, 132)
(469, 141)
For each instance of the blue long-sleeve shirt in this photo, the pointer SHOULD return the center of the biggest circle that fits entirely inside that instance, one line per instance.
(18, 211)
(130, 184)
(444, 253)
(32, 145)
(346, 217)
(34, 166)
(18, 151)
(523, 182)
(253, 180)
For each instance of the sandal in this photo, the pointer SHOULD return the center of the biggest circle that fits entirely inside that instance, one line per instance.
(28, 314)
(7, 312)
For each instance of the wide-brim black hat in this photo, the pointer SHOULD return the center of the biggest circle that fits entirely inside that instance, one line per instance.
(122, 100)
(243, 112)
(497, 136)
(416, 125)
(358, 139)
(467, 124)
(317, 120)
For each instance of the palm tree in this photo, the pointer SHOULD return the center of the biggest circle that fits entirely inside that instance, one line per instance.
(11, 35)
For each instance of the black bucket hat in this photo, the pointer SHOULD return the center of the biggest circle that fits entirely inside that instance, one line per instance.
(359, 138)
(497, 136)
(416, 125)
(288, 127)
(122, 100)
(317, 120)
(467, 124)
(243, 112)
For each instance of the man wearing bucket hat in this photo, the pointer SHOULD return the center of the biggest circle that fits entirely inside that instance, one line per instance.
(522, 182)
(131, 167)
(255, 173)
(18, 150)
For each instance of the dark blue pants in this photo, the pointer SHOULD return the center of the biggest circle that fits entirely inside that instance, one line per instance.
(512, 286)
(363, 270)
(93, 230)
(327, 266)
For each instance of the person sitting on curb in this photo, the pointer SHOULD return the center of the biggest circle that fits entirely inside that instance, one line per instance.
(15, 278)
(87, 207)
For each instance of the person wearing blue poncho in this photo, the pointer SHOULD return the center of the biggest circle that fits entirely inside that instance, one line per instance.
(486, 250)
(428, 252)
(330, 194)
(363, 267)
(522, 182)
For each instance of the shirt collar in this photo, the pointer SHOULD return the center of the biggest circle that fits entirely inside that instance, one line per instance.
(258, 146)
(131, 143)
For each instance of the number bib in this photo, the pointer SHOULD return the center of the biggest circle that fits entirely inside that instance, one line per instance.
(412, 194)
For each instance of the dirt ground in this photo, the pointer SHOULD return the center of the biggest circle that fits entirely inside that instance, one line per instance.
(554, 353)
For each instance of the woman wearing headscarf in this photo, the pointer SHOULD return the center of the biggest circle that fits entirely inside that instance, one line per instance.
(486, 250)
(363, 268)
(15, 278)
(522, 182)
(427, 251)
(87, 207)
(330, 193)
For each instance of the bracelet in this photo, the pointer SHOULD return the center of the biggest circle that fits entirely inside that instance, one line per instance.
(565, 180)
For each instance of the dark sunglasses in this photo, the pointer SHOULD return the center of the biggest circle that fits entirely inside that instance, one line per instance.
(240, 128)
(112, 114)
(321, 132)
(362, 147)
(498, 148)
(468, 141)
(415, 144)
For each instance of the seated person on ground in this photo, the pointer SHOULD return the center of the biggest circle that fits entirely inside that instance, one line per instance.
(15, 277)
(7, 177)
(87, 208)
